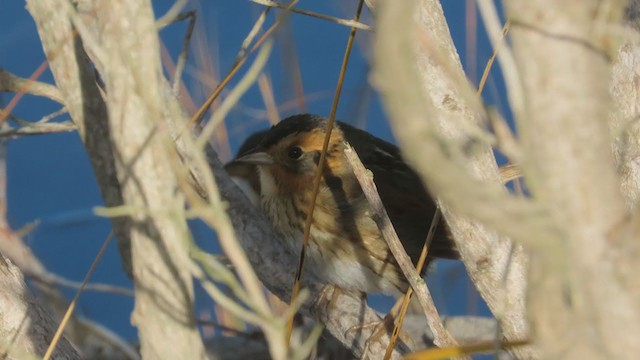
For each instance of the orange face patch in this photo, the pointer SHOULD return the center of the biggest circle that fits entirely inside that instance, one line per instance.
(313, 141)
(293, 175)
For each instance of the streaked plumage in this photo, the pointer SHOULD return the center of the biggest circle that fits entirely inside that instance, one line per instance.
(346, 246)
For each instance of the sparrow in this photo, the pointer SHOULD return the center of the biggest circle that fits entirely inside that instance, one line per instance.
(276, 168)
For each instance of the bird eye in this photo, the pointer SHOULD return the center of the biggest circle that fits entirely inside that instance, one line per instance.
(294, 152)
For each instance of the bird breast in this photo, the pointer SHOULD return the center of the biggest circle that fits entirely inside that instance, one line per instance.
(345, 246)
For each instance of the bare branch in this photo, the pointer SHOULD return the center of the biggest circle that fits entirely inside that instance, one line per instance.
(442, 337)
(164, 296)
(25, 326)
(469, 329)
(15, 84)
(624, 125)
(83, 99)
(505, 56)
(570, 170)
(172, 15)
(624, 122)
(255, 30)
(132, 76)
(345, 22)
(182, 57)
(37, 129)
(432, 113)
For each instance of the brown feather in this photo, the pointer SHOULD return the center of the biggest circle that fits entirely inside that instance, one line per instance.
(343, 231)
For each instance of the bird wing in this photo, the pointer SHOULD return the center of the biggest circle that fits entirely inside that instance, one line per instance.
(403, 194)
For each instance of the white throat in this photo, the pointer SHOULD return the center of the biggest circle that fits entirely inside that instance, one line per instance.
(268, 187)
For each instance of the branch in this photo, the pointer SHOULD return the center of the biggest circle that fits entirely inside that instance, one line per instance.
(436, 115)
(25, 325)
(339, 21)
(37, 129)
(624, 121)
(15, 84)
(133, 79)
(82, 98)
(624, 125)
(469, 329)
(570, 170)
(134, 166)
(442, 337)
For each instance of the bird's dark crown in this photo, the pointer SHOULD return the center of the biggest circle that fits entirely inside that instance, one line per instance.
(292, 125)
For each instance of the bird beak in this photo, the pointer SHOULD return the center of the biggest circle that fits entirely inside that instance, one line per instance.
(259, 158)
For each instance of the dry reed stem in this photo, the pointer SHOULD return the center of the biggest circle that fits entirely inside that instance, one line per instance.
(441, 337)
(345, 22)
(72, 305)
(323, 154)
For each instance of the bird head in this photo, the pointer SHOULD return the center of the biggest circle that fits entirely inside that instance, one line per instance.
(288, 155)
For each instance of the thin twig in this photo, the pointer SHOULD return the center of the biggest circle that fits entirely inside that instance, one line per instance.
(214, 212)
(506, 141)
(63, 110)
(500, 310)
(207, 322)
(111, 345)
(57, 280)
(182, 58)
(351, 23)
(488, 66)
(197, 117)
(255, 29)
(440, 334)
(73, 303)
(243, 85)
(435, 220)
(222, 299)
(318, 177)
(218, 272)
(266, 90)
(508, 145)
(507, 62)
(471, 40)
(172, 15)
(18, 85)
(38, 129)
(510, 172)
(292, 65)
(464, 350)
